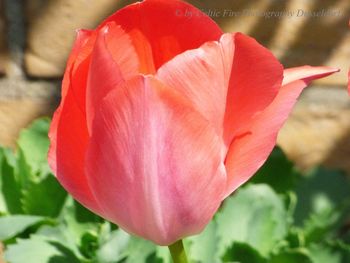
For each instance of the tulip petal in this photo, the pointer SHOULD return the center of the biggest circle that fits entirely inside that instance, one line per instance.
(113, 60)
(255, 80)
(161, 174)
(75, 77)
(170, 27)
(202, 75)
(81, 48)
(228, 82)
(68, 140)
(68, 132)
(306, 72)
(249, 151)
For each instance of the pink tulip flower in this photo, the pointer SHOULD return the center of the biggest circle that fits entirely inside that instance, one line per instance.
(163, 116)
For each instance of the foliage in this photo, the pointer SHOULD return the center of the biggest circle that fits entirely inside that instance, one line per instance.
(281, 216)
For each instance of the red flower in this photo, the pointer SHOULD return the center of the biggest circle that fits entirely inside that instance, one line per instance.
(163, 116)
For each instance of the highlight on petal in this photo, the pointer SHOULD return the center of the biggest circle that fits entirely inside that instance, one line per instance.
(249, 151)
(202, 76)
(113, 60)
(162, 29)
(157, 159)
(119, 45)
(228, 81)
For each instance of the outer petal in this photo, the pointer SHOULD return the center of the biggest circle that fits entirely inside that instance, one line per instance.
(170, 28)
(113, 61)
(81, 49)
(69, 137)
(68, 131)
(76, 75)
(307, 73)
(228, 81)
(255, 79)
(248, 152)
(154, 163)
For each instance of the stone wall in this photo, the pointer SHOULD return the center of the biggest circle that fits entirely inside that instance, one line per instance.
(52, 26)
(3, 43)
(36, 36)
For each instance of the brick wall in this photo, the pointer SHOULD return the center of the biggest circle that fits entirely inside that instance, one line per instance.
(36, 36)
(3, 43)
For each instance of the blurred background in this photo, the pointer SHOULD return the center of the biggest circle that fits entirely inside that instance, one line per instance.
(36, 37)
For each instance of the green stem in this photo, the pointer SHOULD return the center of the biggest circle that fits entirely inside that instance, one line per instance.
(178, 252)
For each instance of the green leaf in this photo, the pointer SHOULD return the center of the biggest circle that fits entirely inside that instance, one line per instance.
(278, 172)
(153, 258)
(9, 156)
(243, 253)
(320, 191)
(204, 247)
(295, 238)
(39, 250)
(139, 250)
(254, 215)
(44, 198)
(163, 254)
(291, 202)
(79, 237)
(33, 143)
(10, 226)
(89, 244)
(323, 204)
(322, 225)
(10, 188)
(23, 171)
(69, 219)
(61, 234)
(344, 247)
(3, 208)
(84, 215)
(324, 254)
(292, 256)
(112, 250)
